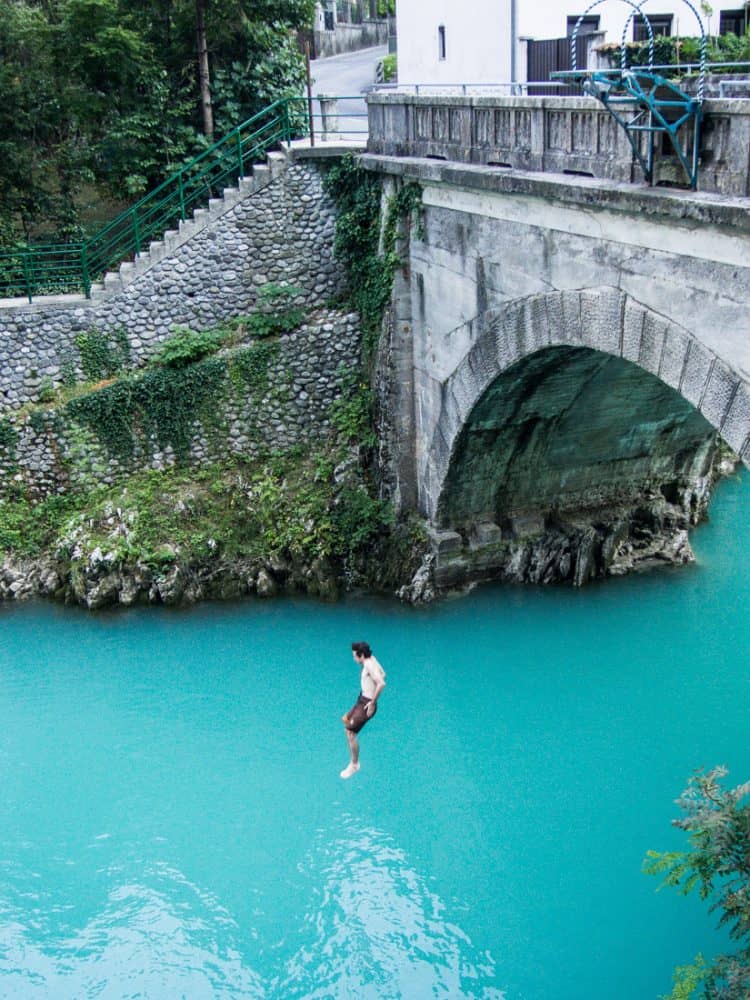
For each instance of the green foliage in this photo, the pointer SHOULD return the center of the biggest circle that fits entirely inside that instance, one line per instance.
(248, 368)
(357, 194)
(8, 442)
(187, 346)
(99, 98)
(28, 526)
(275, 312)
(162, 405)
(359, 518)
(670, 50)
(390, 67)
(717, 822)
(286, 505)
(351, 414)
(269, 65)
(687, 979)
(165, 404)
(102, 355)
(46, 391)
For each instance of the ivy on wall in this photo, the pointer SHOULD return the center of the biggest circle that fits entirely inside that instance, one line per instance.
(101, 354)
(8, 441)
(161, 405)
(357, 242)
(185, 379)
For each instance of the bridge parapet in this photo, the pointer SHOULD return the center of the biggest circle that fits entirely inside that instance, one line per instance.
(573, 135)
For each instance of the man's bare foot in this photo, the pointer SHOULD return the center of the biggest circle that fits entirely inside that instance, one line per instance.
(350, 770)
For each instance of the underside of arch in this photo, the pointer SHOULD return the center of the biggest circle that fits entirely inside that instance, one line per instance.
(569, 429)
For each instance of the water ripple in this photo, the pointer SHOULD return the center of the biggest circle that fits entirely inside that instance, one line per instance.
(145, 943)
(377, 931)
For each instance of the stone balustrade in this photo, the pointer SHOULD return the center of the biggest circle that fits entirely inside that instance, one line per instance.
(573, 135)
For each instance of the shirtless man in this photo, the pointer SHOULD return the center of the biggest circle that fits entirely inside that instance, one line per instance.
(372, 682)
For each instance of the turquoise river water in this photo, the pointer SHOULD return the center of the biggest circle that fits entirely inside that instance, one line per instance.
(174, 824)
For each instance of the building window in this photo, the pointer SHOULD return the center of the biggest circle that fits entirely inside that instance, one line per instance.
(734, 20)
(441, 42)
(661, 24)
(588, 25)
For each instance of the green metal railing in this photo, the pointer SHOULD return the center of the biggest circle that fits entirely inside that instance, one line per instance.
(72, 268)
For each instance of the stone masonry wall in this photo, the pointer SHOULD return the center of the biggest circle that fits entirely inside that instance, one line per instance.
(53, 453)
(280, 233)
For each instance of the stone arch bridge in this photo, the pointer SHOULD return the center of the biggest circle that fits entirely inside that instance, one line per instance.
(565, 359)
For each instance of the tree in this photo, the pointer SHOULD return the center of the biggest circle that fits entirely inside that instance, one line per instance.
(204, 76)
(254, 56)
(101, 99)
(717, 822)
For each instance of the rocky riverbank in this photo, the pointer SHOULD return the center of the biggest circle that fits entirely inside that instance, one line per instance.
(102, 580)
(293, 524)
(305, 525)
(575, 547)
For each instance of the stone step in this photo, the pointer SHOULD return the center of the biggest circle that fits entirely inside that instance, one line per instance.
(247, 185)
(156, 251)
(262, 175)
(216, 207)
(112, 282)
(142, 263)
(171, 239)
(276, 163)
(127, 272)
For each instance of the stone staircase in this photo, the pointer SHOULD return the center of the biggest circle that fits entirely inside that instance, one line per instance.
(262, 175)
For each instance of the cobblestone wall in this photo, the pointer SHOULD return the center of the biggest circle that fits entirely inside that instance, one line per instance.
(280, 233)
(47, 451)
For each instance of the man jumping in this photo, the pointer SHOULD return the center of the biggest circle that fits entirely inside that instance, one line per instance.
(372, 682)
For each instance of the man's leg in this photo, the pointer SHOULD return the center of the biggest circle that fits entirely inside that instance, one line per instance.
(353, 765)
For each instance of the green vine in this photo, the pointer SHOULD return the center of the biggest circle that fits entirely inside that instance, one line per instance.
(8, 441)
(357, 194)
(248, 368)
(351, 413)
(102, 355)
(275, 312)
(166, 402)
(163, 404)
(186, 346)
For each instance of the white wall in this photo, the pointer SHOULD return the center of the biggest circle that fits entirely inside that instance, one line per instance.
(548, 18)
(477, 35)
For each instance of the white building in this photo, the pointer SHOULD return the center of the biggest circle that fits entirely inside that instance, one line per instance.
(470, 41)
(453, 41)
(554, 19)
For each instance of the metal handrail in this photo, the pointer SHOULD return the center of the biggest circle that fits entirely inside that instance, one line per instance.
(51, 269)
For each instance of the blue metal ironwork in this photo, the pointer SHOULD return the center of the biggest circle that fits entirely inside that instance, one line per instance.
(644, 102)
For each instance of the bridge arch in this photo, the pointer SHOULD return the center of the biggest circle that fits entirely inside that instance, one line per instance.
(586, 334)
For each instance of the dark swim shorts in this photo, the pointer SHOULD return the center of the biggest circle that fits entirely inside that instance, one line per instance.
(356, 717)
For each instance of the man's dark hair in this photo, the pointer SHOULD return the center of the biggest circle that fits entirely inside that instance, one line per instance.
(362, 649)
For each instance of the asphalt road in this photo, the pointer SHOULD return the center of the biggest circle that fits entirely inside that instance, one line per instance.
(347, 75)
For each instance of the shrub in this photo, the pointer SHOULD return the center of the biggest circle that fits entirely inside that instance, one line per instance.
(185, 346)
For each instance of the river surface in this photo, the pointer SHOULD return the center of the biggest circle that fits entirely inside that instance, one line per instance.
(173, 822)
